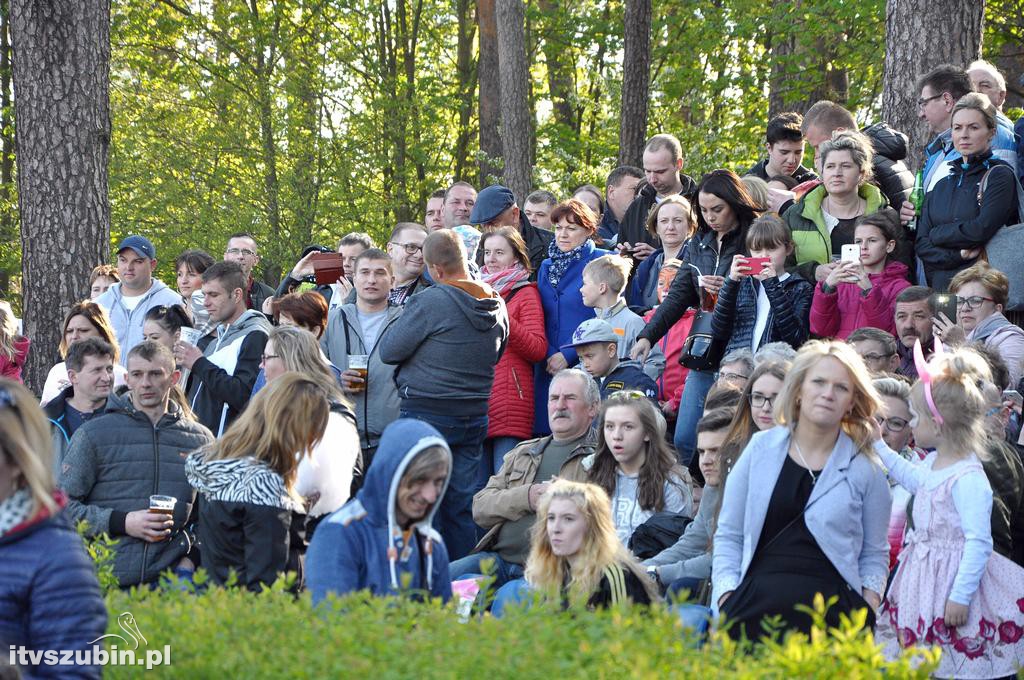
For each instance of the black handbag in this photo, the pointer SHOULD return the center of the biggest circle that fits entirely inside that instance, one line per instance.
(702, 351)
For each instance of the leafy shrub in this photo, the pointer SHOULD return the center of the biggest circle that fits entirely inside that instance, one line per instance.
(233, 633)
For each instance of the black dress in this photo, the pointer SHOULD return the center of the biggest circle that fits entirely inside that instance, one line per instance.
(788, 568)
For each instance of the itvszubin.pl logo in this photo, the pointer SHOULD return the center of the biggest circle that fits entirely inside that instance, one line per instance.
(124, 651)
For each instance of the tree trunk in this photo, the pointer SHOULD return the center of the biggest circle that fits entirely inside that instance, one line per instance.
(920, 35)
(489, 75)
(61, 53)
(466, 70)
(515, 119)
(636, 71)
(559, 60)
(8, 223)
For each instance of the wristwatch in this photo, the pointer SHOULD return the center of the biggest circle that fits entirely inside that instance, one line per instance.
(653, 573)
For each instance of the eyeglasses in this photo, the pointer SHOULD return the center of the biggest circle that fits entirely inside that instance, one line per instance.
(270, 356)
(972, 302)
(758, 400)
(729, 375)
(410, 248)
(894, 424)
(875, 358)
(240, 251)
(924, 100)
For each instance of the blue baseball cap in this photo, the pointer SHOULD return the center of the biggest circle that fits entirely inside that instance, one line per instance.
(490, 203)
(592, 330)
(140, 244)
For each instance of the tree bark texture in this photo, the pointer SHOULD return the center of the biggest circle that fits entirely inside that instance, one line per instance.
(465, 68)
(61, 55)
(920, 35)
(636, 72)
(515, 107)
(488, 70)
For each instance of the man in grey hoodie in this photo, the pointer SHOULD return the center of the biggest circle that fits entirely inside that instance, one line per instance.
(227, 360)
(445, 346)
(355, 329)
(128, 300)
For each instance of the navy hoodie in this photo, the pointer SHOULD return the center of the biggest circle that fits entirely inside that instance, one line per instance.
(361, 546)
(446, 344)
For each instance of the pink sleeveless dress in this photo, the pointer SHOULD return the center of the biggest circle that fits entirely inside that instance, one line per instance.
(991, 643)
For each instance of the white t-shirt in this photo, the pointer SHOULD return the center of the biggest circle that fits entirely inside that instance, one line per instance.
(371, 323)
(328, 470)
(132, 302)
(763, 307)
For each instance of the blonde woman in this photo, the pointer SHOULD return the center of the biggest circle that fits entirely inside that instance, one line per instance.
(49, 597)
(324, 476)
(249, 512)
(575, 554)
(806, 506)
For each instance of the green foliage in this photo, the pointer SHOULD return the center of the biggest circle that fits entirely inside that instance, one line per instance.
(233, 633)
(101, 550)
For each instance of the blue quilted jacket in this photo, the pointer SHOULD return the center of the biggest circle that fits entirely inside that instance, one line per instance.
(49, 596)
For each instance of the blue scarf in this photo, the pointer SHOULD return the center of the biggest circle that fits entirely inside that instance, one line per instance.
(560, 262)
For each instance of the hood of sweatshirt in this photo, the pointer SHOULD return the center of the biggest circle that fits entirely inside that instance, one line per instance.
(249, 321)
(477, 301)
(893, 271)
(994, 325)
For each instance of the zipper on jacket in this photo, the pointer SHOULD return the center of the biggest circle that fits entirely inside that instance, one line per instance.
(518, 386)
(156, 490)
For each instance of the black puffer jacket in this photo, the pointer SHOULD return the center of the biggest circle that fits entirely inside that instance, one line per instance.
(702, 252)
(801, 175)
(633, 228)
(114, 464)
(892, 176)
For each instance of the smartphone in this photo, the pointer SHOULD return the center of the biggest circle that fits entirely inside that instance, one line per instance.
(946, 304)
(756, 264)
(1014, 396)
(327, 268)
(850, 253)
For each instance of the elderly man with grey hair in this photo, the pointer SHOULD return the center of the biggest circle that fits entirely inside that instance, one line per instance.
(507, 506)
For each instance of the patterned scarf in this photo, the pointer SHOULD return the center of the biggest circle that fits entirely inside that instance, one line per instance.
(560, 262)
(504, 280)
(15, 510)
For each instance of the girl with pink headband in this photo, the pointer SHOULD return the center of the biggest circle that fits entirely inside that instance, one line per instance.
(950, 589)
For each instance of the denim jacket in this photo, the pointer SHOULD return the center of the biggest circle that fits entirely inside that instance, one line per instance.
(847, 513)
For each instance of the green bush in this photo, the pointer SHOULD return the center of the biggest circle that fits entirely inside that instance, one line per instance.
(233, 633)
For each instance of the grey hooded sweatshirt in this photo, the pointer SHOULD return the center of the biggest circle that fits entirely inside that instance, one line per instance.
(223, 377)
(376, 406)
(445, 346)
(128, 323)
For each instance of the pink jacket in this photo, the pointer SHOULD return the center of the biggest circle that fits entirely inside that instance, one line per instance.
(11, 368)
(836, 315)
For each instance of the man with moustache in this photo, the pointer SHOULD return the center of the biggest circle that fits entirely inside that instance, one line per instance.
(915, 309)
(507, 506)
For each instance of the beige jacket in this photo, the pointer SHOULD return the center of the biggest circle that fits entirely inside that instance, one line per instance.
(506, 497)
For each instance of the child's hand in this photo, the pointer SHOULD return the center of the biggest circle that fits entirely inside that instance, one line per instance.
(956, 614)
(836, 275)
(740, 269)
(767, 272)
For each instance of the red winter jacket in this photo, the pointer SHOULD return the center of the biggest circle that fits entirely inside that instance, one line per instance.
(836, 315)
(670, 384)
(510, 411)
(11, 368)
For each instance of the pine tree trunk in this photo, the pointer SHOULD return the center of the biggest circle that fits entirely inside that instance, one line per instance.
(465, 68)
(61, 54)
(920, 35)
(489, 75)
(8, 221)
(636, 70)
(515, 108)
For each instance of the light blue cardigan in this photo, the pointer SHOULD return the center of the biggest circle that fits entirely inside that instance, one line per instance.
(847, 513)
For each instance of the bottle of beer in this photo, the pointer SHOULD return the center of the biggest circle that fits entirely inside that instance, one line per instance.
(917, 198)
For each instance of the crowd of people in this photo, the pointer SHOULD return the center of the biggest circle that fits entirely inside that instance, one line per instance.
(745, 390)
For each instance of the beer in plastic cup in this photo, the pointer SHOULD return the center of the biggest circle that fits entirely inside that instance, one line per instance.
(360, 364)
(190, 335)
(163, 505)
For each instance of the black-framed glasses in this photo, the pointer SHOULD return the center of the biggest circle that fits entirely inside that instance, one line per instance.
(972, 302)
(270, 356)
(729, 375)
(410, 248)
(893, 424)
(875, 358)
(758, 400)
(240, 251)
(921, 101)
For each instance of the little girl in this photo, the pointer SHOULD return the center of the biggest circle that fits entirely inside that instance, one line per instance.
(859, 294)
(634, 464)
(950, 589)
(756, 307)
